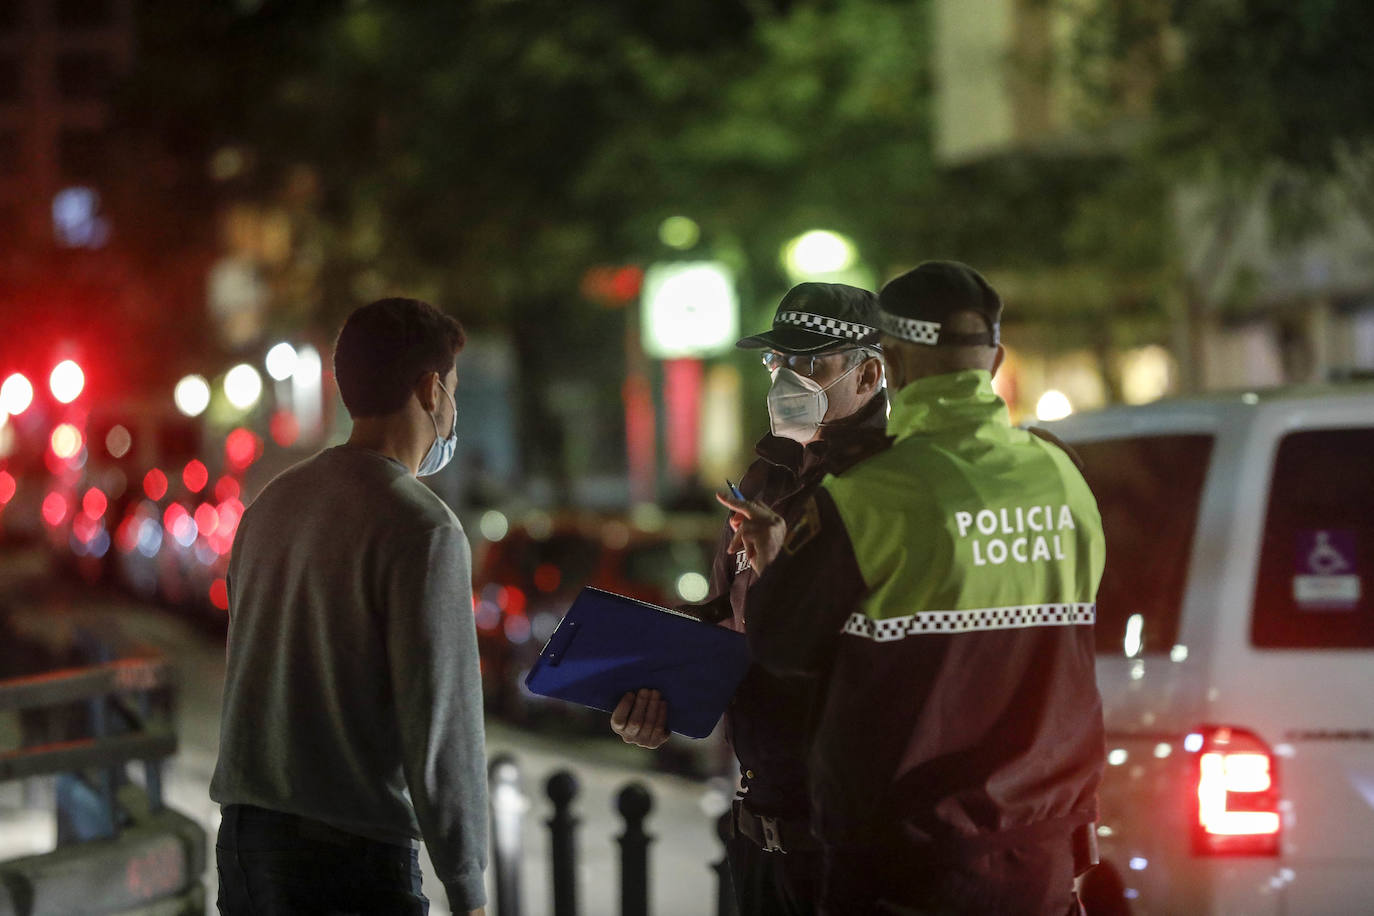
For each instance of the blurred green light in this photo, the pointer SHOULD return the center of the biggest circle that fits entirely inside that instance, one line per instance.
(817, 253)
(679, 232)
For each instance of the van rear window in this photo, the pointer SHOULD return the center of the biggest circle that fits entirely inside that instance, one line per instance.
(1317, 554)
(1148, 489)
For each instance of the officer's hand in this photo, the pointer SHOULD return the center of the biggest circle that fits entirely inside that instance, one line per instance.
(641, 718)
(758, 529)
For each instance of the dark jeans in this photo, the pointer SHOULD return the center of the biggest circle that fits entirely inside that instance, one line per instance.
(274, 864)
(774, 883)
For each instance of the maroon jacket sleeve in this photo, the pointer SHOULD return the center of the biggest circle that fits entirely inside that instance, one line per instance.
(794, 612)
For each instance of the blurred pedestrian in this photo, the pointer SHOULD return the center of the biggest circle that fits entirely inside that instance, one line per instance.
(352, 719)
(827, 409)
(947, 586)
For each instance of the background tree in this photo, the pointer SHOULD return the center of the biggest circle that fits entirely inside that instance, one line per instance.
(1246, 101)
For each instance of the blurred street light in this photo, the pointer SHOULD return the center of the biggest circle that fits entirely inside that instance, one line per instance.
(66, 441)
(680, 232)
(118, 441)
(493, 525)
(689, 309)
(1053, 405)
(66, 381)
(281, 361)
(692, 586)
(307, 393)
(243, 386)
(16, 394)
(818, 252)
(192, 395)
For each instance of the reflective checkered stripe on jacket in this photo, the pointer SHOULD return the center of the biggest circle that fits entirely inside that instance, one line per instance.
(934, 623)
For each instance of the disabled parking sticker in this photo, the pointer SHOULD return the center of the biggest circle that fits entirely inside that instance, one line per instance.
(1328, 578)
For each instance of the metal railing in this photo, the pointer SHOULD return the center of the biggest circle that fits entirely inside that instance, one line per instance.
(118, 845)
(634, 801)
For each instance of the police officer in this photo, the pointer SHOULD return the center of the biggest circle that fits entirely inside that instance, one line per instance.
(826, 410)
(947, 585)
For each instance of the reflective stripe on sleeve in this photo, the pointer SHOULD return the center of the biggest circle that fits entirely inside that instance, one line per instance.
(991, 618)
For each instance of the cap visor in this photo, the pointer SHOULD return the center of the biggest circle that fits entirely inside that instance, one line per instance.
(792, 340)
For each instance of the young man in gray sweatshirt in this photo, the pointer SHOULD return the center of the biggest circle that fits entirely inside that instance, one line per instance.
(352, 719)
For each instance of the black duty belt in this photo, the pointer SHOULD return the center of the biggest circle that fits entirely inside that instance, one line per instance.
(774, 834)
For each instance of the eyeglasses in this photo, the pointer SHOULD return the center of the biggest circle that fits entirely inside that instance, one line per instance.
(800, 363)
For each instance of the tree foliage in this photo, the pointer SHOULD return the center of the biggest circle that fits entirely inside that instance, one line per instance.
(1278, 93)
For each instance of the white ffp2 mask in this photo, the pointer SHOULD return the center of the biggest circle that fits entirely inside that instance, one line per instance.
(797, 404)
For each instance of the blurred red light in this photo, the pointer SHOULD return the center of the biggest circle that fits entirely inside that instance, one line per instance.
(242, 448)
(285, 428)
(173, 514)
(626, 283)
(226, 488)
(54, 509)
(547, 576)
(219, 594)
(155, 484)
(229, 512)
(94, 502)
(85, 528)
(195, 476)
(126, 538)
(7, 487)
(207, 519)
(66, 441)
(514, 602)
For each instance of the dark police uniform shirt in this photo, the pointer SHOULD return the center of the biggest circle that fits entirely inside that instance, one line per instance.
(769, 721)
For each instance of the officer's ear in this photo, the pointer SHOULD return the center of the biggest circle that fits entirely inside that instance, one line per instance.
(870, 375)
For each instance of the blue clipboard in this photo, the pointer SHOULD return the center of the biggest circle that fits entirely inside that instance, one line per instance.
(607, 645)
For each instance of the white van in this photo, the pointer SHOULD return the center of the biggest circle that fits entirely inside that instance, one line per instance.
(1235, 638)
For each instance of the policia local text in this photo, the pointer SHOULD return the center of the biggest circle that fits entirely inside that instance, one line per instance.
(1029, 548)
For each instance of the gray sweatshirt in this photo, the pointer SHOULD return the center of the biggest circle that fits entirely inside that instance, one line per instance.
(352, 671)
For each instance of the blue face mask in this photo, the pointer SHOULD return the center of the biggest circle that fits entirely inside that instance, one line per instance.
(441, 452)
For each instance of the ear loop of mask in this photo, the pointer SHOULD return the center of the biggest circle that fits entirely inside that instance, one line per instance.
(835, 382)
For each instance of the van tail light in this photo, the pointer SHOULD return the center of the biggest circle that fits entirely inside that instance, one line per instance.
(1237, 793)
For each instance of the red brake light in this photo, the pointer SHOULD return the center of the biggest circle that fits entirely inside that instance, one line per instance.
(54, 508)
(155, 484)
(94, 502)
(195, 476)
(1237, 794)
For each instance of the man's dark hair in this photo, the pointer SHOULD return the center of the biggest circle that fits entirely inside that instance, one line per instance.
(384, 349)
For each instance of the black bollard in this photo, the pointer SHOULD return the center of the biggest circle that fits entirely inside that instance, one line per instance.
(634, 803)
(725, 883)
(508, 805)
(562, 789)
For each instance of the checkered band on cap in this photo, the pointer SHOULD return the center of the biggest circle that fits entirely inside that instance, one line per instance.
(820, 324)
(912, 329)
(934, 623)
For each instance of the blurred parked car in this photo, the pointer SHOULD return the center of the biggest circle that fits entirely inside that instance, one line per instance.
(1235, 635)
